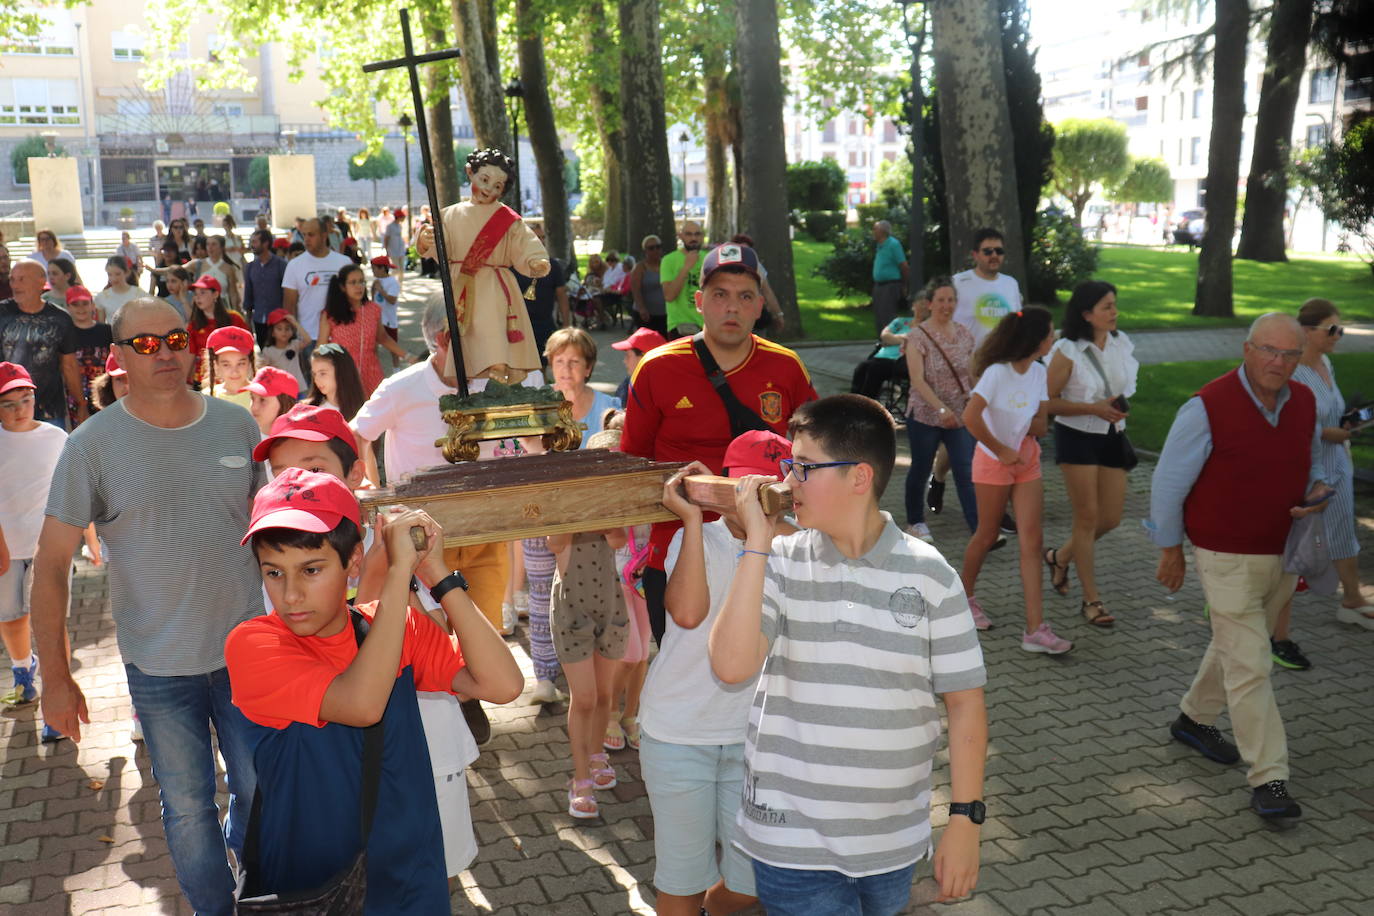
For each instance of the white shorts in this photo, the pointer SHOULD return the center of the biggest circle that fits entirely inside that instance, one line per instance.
(451, 749)
(455, 818)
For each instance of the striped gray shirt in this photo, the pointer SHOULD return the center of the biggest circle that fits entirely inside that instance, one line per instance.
(844, 725)
(171, 506)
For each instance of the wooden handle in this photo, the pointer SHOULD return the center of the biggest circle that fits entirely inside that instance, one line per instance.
(718, 493)
(419, 538)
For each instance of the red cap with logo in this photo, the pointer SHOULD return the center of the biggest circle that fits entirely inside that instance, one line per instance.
(79, 294)
(206, 282)
(271, 381)
(112, 367)
(756, 452)
(643, 340)
(13, 375)
(303, 500)
(233, 338)
(310, 423)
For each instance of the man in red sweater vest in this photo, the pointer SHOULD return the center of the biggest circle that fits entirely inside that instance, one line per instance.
(1239, 465)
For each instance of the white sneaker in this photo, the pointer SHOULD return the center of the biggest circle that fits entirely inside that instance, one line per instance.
(546, 692)
(522, 604)
(1355, 615)
(921, 530)
(136, 733)
(507, 620)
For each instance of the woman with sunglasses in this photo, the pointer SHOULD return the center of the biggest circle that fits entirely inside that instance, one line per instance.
(208, 312)
(646, 286)
(1320, 320)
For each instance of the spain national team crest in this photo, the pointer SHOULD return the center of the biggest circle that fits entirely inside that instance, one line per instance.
(770, 406)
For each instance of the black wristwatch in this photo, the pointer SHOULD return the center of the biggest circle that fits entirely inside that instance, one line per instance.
(447, 584)
(975, 811)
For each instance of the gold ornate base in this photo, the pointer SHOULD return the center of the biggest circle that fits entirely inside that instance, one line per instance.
(551, 420)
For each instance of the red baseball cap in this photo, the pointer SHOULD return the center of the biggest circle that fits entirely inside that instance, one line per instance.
(350, 241)
(382, 260)
(756, 452)
(13, 375)
(276, 316)
(112, 367)
(79, 294)
(643, 340)
(303, 501)
(281, 243)
(271, 381)
(206, 282)
(230, 338)
(307, 422)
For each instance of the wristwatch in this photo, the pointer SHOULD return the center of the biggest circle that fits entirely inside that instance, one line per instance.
(447, 584)
(975, 811)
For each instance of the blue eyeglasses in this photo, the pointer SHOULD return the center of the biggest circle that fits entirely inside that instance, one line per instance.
(800, 470)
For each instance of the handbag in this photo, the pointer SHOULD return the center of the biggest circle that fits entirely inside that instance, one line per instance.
(742, 419)
(343, 894)
(1129, 459)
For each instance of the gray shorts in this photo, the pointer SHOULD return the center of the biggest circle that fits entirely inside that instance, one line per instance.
(15, 587)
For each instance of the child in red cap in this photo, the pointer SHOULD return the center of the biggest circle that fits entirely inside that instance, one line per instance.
(283, 350)
(273, 393)
(230, 363)
(93, 338)
(320, 675)
(386, 289)
(209, 312)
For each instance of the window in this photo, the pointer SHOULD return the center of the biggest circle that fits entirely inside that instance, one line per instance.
(1180, 150)
(1197, 104)
(828, 133)
(890, 156)
(1195, 151)
(56, 37)
(126, 46)
(1142, 103)
(853, 127)
(1321, 85)
(853, 159)
(889, 131)
(1316, 135)
(227, 111)
(1180, 106)
(30, 101)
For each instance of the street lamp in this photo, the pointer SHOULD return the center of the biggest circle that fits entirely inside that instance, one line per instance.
(684, 140)
(914, 24)
(405, 123)
(515, 92)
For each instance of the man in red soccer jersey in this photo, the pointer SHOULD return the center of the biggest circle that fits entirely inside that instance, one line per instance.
(689, 399)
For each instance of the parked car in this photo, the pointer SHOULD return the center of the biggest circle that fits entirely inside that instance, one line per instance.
(1188, 229)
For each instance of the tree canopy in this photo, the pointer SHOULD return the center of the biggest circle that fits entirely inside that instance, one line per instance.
(1145, 181)
(1087, 154)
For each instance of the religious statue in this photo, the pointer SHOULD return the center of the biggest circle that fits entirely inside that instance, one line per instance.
(485, 240)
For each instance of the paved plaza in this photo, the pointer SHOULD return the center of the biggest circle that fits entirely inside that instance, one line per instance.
(1091, 807)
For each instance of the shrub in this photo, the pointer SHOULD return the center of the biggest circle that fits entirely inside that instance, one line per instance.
(849, 268)
(816, 185)
(824, 225)
(29, 148)
(1061, 257)
(871, 213)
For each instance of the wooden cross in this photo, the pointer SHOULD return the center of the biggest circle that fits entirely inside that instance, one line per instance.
(411, 62)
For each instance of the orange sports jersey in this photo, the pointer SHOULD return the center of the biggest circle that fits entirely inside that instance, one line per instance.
(278, 678)
(674, 414)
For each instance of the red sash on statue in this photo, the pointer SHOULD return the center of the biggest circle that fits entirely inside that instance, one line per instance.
(490, 235)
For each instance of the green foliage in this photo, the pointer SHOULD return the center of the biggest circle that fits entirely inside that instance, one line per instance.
(1061, 257)
(892, 183)
(1343, 175)
(823, 225)
(592, 177)
(373, 166)
(1147, 181)
(849, 267)
(1087, 154)
(461, 152)
(29, 148)
(259, 175)
(816, 185)
(871, 213)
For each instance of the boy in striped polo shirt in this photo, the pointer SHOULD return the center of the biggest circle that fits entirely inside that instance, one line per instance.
(856, 627)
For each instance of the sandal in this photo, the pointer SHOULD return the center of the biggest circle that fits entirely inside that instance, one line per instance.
(615, 737)
(603, 774)
(630, 725)
(582, 799)
(1096, 613)
(1052, 561)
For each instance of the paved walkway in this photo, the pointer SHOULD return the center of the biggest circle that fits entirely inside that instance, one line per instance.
(1092, 809)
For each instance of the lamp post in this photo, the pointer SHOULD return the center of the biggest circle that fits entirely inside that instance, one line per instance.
(405, 123)
(914, 24)
(1327, 128)
(683, 139)
(515, 93)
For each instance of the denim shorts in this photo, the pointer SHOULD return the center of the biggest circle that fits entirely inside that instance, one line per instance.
(815, 892)
(695, 791)
(15, 586)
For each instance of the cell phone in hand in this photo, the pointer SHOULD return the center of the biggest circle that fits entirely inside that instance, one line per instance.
(1121, 404)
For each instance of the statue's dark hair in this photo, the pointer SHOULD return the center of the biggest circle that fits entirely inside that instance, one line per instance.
(494, 157)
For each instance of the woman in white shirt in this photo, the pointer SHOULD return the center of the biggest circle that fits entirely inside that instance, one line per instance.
(1092, 373)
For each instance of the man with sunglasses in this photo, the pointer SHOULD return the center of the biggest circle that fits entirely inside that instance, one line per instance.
(167, 476)
(891, 276)
(678, 273)
(42, 338)
(985, 294)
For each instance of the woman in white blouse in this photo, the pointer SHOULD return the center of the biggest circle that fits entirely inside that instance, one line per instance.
(1092, 373)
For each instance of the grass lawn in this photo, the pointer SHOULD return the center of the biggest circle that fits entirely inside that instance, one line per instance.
(1165, 386)
(1156, 290)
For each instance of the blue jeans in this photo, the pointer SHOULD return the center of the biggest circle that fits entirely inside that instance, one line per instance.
(177, 713)
(925, 442)
(805, 892)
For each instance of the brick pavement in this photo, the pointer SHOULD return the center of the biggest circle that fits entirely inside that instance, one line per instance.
(1092, 808)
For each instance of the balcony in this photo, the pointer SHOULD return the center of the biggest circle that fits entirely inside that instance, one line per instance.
(198, 125)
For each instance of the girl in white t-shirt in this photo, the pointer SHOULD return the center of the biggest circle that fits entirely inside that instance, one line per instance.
(1005, 413)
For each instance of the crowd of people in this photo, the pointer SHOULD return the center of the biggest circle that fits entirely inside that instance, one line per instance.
(206, 446)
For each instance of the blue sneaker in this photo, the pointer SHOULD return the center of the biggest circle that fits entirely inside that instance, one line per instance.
(51, 735)
(24, 692)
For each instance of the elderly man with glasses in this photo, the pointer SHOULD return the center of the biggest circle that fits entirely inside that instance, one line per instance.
(1241, 462)
(167, 476)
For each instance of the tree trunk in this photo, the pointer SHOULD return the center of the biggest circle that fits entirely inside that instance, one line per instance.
(1266, 191)
(720, 134)
(647, 171)
(763, 181)
(444, 168)
(481, 78)
(548, 152)
(603, 55)
(975, 130)
(1223, 160)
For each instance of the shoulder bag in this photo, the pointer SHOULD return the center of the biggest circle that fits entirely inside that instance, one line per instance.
(742, 419)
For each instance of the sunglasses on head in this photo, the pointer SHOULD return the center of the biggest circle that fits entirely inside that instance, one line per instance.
(992, 251)
(148, 344)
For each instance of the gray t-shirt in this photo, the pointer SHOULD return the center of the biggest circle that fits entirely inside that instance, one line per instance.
(171, 506)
